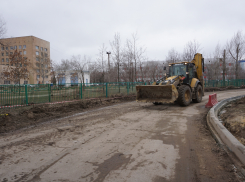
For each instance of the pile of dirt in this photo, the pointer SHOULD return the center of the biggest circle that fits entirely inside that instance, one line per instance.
(233, 117)
(211, 89)
(12, 119)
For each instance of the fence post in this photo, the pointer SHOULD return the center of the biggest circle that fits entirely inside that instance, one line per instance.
(106, 90)
(26, 93)
(49, 92)
(81, 91)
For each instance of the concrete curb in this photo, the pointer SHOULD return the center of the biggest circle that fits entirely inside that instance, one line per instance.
(222, 134)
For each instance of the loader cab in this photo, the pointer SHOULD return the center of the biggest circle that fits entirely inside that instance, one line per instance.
(177, 69)
(185, 69)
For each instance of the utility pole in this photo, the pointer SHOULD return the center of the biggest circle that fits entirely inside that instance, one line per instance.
(109, 67)
(108, 59)
(118, 64)
(224, 66)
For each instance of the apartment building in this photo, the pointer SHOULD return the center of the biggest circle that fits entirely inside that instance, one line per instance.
(36, 50)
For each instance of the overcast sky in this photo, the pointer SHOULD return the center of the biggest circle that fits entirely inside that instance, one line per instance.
(81, 26)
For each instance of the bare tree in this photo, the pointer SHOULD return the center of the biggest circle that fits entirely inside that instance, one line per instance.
(43, 67)
(117, 53)
(102, 61)
(79, 65)
(191, 48)
(3, 29)
(61, 68)
(217, 62)
(95, 74)
(136, 52)
(18, 68)
(52, 72)
(236, 49)
(173, 56)
(153, 70)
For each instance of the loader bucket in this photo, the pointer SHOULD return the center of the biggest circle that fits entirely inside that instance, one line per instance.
(156, 93)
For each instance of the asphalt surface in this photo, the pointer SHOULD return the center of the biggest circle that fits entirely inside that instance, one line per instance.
(125, 142)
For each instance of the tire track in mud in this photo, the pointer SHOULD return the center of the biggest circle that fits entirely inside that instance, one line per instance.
(21, 140)
(44, 138)
(35, 174)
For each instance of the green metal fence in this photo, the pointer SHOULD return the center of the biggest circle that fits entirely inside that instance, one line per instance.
(44, 93)
(226, 83)
(12, 95)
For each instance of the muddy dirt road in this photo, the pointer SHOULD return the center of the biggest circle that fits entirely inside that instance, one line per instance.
(124, 142)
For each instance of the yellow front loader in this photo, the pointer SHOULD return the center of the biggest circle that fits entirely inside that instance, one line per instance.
(183, 84)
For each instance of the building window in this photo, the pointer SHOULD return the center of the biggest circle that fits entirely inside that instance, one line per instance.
(37, 47)
(38, 76)
(46, 55)
(25, 82)
(37, 58)
(20, 53)
(7, 53)
(11, 48)
(2, 53)
(15, 47)
(24, 52)
(20, 47)
(46, 71)
(41, 49)
(24, 46)
(11, 53)
(7, 60)
(6, 82)
(41, 53)
(38, 71)
(37, 53)
(46, 76)
(46, 66)
(7, 48)
(2, 59)
(45, 50)
(37, 64)
(41, 59)
(2, 48)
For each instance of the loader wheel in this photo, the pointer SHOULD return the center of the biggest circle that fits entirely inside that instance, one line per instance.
(184, 98)
(198, 94)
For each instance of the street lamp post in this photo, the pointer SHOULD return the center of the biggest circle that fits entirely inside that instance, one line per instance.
(109, 67)
(108, 59)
